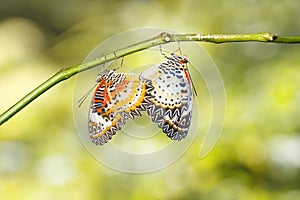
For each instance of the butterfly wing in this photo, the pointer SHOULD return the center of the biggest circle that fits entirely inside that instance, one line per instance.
(117, 97)
(171, 97)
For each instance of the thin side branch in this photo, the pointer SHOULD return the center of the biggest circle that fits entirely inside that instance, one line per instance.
(162, 38)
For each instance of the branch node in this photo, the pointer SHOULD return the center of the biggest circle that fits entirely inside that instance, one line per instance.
(166, 37)
(269, 37)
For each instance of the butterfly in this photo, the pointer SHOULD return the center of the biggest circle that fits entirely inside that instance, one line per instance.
(171, 96)
(164, 91)
(118, 97)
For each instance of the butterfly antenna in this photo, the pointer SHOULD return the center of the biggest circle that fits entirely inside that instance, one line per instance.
(194, 89)
(83, 98)
(193, 86)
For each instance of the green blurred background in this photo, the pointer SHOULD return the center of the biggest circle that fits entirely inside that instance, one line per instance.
(258, 154)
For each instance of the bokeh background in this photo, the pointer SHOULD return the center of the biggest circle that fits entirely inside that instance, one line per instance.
(258, 154)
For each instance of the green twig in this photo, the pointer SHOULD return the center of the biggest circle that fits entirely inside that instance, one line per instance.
(162, 38)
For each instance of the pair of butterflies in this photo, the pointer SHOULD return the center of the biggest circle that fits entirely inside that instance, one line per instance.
(164, 91)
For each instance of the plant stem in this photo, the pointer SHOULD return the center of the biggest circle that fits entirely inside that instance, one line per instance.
(162, 38)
